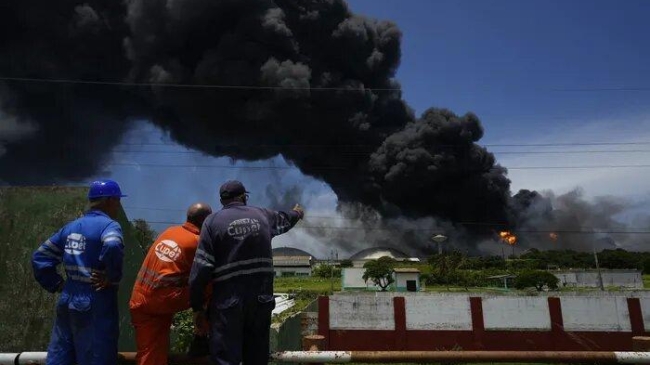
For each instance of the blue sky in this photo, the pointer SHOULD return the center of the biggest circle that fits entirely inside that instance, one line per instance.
(535, 72)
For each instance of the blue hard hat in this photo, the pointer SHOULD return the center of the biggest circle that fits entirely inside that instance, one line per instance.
(104, 189)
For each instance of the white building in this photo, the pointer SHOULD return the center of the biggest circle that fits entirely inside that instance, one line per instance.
(289, 261)
(406, 279)
(292, 265)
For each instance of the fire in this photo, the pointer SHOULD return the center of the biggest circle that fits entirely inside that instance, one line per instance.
(508, 237)
(552, 236)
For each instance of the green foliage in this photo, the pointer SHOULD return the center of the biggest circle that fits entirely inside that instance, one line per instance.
(346, 263)
(524, 264)
(144, 235)
(488, 262)
(537, 279)
(325, 271)
(608, 259)
(182, 331)
(28, 216)
(379, 272)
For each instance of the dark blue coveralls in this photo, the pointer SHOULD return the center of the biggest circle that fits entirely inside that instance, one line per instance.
(235, 253)
(86, 328)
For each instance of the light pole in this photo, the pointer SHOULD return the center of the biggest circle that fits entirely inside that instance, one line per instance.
(439, 239)
(332, 253)
(600, 274)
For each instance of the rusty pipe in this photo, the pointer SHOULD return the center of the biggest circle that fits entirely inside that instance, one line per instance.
(610, 357)
(462, 356)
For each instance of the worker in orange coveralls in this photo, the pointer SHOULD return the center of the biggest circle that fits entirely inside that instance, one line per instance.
(161, 288)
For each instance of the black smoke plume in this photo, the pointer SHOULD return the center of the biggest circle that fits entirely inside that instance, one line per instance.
(306, 79)
(314, 83)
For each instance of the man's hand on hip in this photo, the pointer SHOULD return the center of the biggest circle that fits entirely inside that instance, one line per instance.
(201, 326)
(99, 281)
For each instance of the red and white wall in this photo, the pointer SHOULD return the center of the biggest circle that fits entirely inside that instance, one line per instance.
(421, 321)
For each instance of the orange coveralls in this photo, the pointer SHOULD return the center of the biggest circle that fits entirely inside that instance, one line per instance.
(161, 290)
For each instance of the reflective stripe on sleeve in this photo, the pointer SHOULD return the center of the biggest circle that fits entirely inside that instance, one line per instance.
(244, 272)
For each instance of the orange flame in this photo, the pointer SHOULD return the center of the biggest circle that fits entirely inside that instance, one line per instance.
(508, 237)
(553, 236)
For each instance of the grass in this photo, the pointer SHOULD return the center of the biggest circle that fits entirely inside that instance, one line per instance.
(28, 216)
(316, 285)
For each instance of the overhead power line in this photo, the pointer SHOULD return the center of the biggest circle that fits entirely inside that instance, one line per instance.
(267, 145)
(262, 168)
(191, 86)
(360, 154)
(437, 229)
(260, 87)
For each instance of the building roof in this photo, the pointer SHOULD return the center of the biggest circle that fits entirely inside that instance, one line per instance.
(290, 251)
(377, 252)
(406, 270)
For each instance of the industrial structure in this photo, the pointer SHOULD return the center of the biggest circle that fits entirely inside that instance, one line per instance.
(589, 278)
(289, 261)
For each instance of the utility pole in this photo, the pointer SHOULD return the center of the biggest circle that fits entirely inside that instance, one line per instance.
(332, 270)
(600, 274)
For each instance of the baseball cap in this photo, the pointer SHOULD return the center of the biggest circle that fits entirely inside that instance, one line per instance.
(231, 189)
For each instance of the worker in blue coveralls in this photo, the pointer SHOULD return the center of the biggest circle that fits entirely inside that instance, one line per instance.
(91, 250)
(235, 254)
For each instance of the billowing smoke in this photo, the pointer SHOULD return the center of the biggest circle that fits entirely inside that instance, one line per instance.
(57, 131)
(312, 82)
(306, 79)
(569, 221)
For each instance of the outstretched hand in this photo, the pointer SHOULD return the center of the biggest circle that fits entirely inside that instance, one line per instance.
(297, 208)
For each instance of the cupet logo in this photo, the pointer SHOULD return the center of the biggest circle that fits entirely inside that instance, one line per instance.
(241, 228)
(168, 250)
(75, 244)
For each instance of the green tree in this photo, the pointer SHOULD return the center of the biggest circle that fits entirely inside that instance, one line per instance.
(537, 279)
(379, 272)
(143, 234)
(445, 269)
(346, 263)
(325, 271)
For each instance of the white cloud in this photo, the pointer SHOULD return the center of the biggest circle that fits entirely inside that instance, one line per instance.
(594, 181)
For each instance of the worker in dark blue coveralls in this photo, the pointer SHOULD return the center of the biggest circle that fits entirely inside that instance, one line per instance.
(91, 250)
(234, 254)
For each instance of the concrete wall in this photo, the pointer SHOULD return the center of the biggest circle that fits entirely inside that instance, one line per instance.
(593, 313)
(427, 321)
(363, 312)
(618, 278)
(440, 312)
(516, 313)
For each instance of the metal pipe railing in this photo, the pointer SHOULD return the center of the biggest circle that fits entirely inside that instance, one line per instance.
(610, 357)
